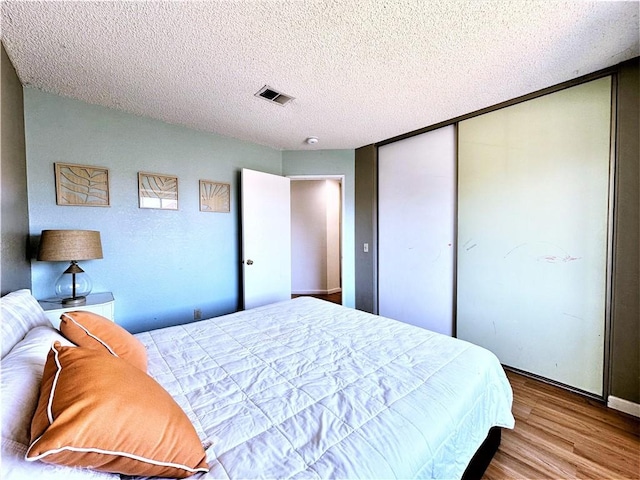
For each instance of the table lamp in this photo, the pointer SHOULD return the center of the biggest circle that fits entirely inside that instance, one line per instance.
(71, 246)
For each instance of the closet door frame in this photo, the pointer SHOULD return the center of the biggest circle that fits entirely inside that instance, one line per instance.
(609, 274)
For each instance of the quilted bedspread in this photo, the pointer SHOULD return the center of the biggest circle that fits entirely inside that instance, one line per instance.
(309, 389)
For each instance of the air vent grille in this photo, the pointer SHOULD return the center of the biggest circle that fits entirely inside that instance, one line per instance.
(273, 96)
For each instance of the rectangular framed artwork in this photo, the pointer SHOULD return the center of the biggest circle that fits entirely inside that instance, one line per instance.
(81, 185)
(159, 191)
(215, 196)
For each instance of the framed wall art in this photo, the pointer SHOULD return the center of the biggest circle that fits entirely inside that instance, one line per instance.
(81, 185)
(215, 196)
(156, 190)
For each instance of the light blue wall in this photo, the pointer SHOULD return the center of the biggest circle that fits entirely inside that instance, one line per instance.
(332, 162)
(160, 265)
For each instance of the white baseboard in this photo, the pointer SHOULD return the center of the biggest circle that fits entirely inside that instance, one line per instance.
(624, 406)
(316, 292)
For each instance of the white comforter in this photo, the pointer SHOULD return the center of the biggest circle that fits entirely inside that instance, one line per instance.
(309, 389)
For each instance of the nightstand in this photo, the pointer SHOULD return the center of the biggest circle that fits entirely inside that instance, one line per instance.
(100, 303)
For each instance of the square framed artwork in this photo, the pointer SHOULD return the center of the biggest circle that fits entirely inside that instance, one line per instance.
(81, 185)
(159, 191)
(215, 196)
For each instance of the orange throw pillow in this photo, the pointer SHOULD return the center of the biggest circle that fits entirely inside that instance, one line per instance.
(88, 329)
(98, 411)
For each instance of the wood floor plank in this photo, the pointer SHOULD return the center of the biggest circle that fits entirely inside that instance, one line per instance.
(543, 439)
(563, 435)
(582, 406)
(521, 411)
(548, 465)
(504, 467)
(573, 428)
(622, 461)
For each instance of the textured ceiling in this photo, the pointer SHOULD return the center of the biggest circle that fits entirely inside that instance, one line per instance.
(361, 71)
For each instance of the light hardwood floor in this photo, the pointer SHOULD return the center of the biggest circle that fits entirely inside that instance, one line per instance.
(332, 297)
(562, 435)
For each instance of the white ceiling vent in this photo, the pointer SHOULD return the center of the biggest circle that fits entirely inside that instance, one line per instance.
(274, 96)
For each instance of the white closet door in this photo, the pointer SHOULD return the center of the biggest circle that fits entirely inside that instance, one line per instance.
(533, 199)
(416, 215)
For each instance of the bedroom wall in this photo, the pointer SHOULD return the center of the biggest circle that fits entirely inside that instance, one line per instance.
(315, 236)
(308, 237)
(333, 204)
(332, 162)
(15, 266)
(159, 264)
(366, 227)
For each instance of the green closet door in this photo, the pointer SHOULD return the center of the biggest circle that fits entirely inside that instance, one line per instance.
(533, 205)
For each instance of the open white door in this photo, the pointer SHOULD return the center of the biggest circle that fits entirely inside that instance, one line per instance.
(266, 238)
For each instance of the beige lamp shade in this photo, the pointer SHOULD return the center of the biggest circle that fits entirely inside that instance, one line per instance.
(68, 245)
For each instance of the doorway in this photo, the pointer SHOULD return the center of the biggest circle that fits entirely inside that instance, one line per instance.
(316, 236)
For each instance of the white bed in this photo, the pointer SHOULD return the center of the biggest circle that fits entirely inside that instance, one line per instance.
(309, 389)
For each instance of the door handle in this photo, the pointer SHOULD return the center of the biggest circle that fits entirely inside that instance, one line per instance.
(249, 262)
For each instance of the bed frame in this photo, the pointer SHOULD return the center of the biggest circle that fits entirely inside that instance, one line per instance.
(480, 461)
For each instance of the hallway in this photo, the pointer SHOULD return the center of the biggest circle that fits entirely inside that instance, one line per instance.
(333, 297)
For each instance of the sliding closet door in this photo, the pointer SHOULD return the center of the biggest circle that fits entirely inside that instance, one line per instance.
(533, 198)
(416, 214)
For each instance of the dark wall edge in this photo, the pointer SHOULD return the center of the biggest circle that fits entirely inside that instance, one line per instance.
(16, 267)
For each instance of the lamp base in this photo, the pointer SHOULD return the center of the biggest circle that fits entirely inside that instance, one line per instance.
(74, 301)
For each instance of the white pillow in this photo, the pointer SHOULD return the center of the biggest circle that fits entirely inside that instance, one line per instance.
(15, 467)
(20, 381)
(20, 312)
(20, 378)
